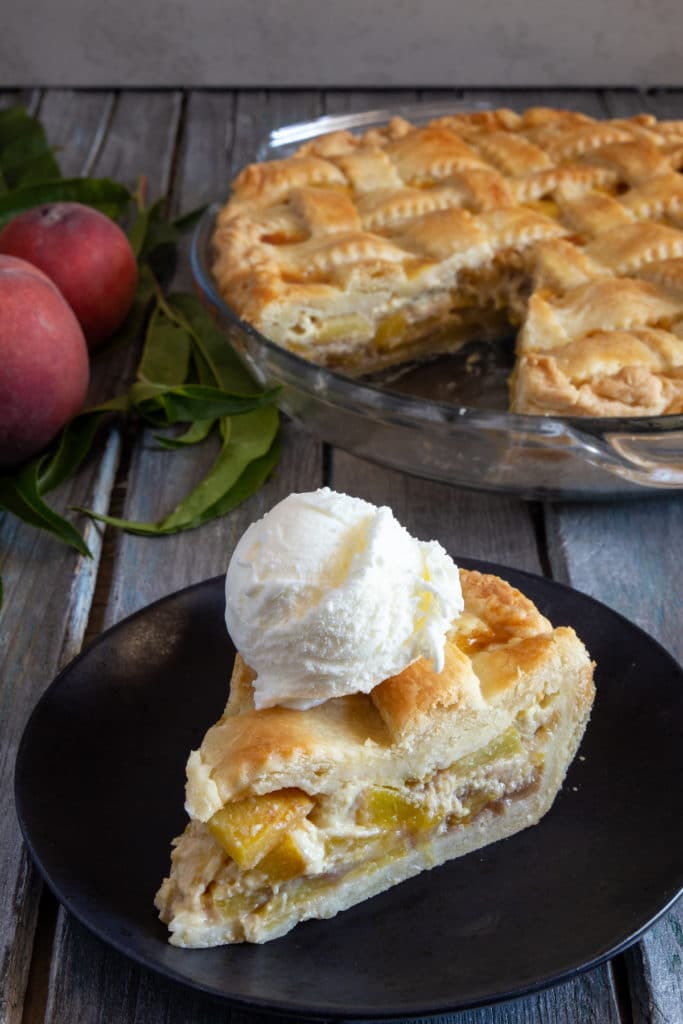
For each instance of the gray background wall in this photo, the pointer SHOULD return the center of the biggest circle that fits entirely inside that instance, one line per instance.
(341, 42)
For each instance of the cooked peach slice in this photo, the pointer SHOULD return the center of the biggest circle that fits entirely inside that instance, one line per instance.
(387, 808)
(249, 829)
(508, 744)
(285, 860)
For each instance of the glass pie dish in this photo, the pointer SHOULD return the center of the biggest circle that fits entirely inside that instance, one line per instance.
(446, 418)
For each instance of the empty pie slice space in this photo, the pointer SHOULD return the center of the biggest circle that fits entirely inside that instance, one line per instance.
(361, 252)
(302, 813)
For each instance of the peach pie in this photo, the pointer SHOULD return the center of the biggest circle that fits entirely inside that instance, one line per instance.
(361, 252)
(300, 814)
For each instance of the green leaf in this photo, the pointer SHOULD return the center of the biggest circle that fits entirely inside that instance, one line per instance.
(119, 403)
(25, 162)
(19, 494)
(249, 481)
(151, 231)
(105, 195)
(212, 345)
(251, 437)
(148, 227)
(253, 450)
(205, 374)
(129, 525)
(199, 430)
(74, 444)
(187, 221)
(159, 233)
(137, 231)
(158, 245)
(25, 154)
(225, 428)
(166, 355)
(161, 404)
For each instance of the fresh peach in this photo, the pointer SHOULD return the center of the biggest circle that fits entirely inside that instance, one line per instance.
(87, 256)
(44, 369)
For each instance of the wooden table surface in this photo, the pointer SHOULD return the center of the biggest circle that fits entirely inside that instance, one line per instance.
(626, 554)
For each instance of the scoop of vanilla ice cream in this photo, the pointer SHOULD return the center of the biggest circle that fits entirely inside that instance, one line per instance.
(328, 595)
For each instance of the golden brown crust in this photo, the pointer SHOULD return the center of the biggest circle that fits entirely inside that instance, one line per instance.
(617, 373)
(404, 701)
(504, 609)
(258, 750)
(605, 304)
(241, 697)
(350, 252)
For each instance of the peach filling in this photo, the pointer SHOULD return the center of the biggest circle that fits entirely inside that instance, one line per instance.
(249, 829)
(263, 834)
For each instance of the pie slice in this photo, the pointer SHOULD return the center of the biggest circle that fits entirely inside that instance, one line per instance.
(302, 814)
(616, 373)
(363, 252)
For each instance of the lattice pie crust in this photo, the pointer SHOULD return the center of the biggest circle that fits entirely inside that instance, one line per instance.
(301, 814)
(363, 252)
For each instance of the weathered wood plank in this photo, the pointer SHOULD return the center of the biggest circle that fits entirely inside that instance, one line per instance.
(341, 101)
(47, 592)
(666, 104)
(588, 101)
(29, 98)
(625, 102)
(622, 553)
(81, 138)
(581, 1001)
(489, 527)
(219, 136)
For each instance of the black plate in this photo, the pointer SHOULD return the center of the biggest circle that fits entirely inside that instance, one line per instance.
(99, 788)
